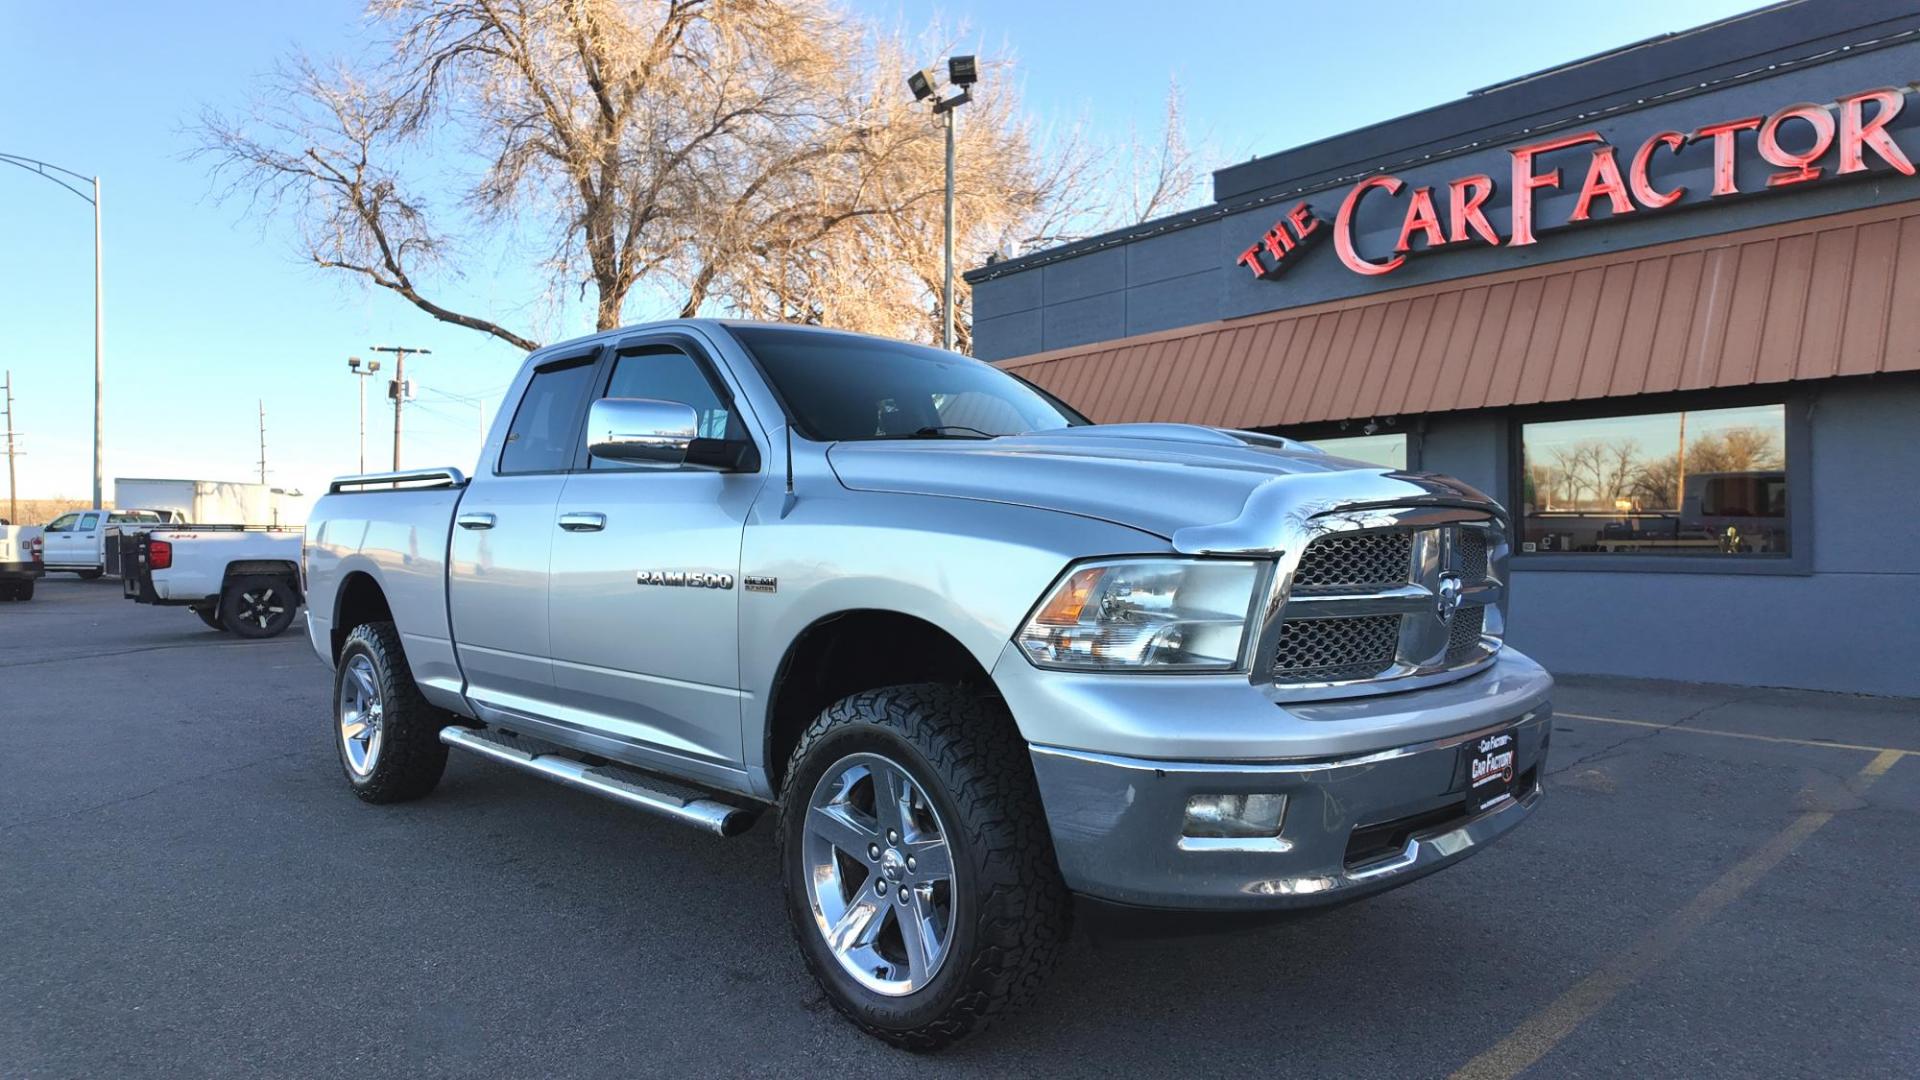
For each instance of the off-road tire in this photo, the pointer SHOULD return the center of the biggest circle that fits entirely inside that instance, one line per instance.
(411, 757)
(210, 616)
(232, 603)
(1013, 912)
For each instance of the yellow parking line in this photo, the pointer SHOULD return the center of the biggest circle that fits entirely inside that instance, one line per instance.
(1690, 730)
(1545, 1029)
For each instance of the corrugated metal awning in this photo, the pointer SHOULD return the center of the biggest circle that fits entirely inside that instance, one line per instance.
(1811, 299)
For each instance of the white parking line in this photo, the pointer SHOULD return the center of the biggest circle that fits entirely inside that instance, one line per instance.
(1544, 1030)
(1688, 729)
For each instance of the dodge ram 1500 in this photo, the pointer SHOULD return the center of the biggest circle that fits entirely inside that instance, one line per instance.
(982, 659)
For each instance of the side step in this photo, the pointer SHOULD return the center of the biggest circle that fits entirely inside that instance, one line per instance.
(627, 786)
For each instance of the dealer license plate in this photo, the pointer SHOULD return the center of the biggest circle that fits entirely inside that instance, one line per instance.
(1490, 770)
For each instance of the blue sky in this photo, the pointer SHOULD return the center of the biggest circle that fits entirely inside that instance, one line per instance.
(209, 311)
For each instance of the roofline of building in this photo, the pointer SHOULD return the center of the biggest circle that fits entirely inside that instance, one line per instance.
(1663, 68)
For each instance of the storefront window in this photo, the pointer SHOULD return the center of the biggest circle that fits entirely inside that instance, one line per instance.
(1703, 482)
(1388, 451)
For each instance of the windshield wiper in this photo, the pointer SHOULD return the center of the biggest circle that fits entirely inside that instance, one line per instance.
(941, 432)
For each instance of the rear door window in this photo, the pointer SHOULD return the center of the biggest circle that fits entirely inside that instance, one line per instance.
(542, 436)
(89, 522)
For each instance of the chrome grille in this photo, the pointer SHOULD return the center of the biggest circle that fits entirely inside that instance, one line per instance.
(1364, 613)
(1463, 636)
(1470, 553)
(1366, 561)
(1335, 650)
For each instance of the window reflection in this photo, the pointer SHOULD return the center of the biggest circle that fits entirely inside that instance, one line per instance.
(1387, 451)
(1701, 482)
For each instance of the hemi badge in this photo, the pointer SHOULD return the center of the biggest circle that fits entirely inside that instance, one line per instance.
(760, 583)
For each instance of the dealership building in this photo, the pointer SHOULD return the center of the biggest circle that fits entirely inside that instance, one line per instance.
(1663, 303)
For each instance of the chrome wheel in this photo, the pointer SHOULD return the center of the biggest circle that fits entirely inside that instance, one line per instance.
(879, 874)
(360, 715)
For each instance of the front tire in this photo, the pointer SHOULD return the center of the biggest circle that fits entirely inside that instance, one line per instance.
(911, 813)
(89, 575)
(387, 735)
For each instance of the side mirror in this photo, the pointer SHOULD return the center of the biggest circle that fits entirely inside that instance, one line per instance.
(641, 430)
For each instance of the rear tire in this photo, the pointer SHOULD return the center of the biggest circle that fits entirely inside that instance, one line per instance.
(258, 605)
(1001, 902)
(387, 736)
(23, 591)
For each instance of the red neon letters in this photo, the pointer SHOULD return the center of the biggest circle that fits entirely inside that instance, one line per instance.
(1643, 189)
(1287, 235)
(1793, 140)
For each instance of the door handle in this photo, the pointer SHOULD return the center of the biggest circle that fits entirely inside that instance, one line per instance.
(475, 521)
(581, 521)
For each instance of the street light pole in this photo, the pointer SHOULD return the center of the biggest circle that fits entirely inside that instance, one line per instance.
(34, 165)
(946, 298)
(353, 365)
(962, 72)
(99, 341)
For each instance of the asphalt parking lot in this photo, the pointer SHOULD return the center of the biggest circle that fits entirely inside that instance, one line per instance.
(1721, 882)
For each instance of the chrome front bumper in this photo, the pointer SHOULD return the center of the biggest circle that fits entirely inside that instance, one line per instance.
(1353, 825)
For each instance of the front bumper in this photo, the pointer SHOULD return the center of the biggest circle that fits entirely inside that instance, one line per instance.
(1354, 825)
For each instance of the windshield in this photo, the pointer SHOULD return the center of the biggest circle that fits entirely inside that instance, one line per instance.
(847, 387)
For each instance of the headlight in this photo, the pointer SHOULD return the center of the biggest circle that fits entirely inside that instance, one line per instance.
(1144, 615)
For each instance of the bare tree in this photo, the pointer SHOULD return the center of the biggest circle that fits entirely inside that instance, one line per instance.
(759, 156)
(1162, 175)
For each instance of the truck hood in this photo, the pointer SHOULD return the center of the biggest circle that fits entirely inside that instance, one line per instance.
(1158, 478)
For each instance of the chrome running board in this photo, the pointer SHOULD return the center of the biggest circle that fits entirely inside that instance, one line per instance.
(630, 787)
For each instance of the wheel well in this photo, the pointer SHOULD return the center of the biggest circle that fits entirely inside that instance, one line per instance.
(359, 601)
(853, 651)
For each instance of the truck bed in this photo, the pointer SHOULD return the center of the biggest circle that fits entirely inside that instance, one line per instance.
(393, 528)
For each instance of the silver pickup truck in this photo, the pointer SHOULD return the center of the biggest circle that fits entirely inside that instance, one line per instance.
(983, 659)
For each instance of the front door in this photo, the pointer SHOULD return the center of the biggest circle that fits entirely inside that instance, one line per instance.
(503, 541)
(644, 603)
(77, 542)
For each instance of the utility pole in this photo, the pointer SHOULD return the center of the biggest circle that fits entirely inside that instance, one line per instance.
(397, 389)
(13, 510)
(263, 438)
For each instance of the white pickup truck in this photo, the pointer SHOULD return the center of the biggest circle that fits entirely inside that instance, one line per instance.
(240, 579)
(81, 541)
(20, 565)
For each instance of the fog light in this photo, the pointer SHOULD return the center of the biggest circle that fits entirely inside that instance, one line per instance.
(1234, 815)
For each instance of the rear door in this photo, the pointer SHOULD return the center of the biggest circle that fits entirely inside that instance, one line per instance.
(644, 604)
(503, 540)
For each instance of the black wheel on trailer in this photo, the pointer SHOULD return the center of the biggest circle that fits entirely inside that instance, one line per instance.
(258, 605)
